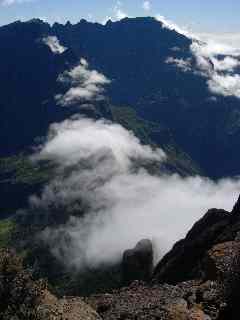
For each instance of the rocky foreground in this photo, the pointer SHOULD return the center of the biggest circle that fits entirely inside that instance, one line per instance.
(199, 279)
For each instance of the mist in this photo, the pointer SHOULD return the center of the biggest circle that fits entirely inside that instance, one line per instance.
(104, 179)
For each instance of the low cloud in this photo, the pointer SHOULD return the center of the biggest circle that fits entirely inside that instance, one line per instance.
(184, 65)
(103, 168)
(228, 39)
(219, 64)
(53, 43)
(226, 85)
(85, 85)
(214, 58)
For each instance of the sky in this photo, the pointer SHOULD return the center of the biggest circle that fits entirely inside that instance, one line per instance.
(215, 16)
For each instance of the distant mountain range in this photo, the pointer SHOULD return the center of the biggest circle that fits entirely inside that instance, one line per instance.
(140, 57)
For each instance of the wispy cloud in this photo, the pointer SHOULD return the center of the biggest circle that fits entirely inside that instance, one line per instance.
(173, 26)
(146, 5)
(118, 13)
(185, 65)
(85, 85)
(12, 2)
(53, 43)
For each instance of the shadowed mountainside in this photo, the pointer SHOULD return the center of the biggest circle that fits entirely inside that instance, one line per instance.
(132, 53)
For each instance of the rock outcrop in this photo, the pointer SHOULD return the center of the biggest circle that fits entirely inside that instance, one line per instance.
(137, 263)
(202, 272)
(182, 262)
(22, 298)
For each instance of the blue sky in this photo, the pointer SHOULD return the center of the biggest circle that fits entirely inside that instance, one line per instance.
(200, 16)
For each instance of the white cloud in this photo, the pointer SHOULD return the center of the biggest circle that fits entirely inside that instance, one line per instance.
(84, 84)
(69, 139)
(12, 2)
(118, 13)
(226, 85)
(146, 5)
(216, 59)
(173, 26)
(219, 70)
(53, 43)
(213, 48)
(106, 19)
(101, 168)
(228, 40)
(225, 64)
(185, 65)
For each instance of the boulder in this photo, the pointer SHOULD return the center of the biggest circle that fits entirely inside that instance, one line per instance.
(137, 263)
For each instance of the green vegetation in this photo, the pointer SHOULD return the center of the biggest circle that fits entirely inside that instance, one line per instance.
(157, 135)
(20, 169)
(6, 228)
(128, 118)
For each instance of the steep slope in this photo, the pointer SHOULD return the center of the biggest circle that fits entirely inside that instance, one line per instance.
(29, 73)
(134, 54)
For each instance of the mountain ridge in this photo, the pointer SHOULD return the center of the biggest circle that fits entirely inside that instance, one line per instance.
(133, 54)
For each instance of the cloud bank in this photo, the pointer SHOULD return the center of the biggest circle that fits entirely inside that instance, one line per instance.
(103, 168)
(223, 79)
(53, 43)
(85, 85)
(218, 62)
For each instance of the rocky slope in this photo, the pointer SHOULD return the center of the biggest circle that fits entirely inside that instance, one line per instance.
(22, 298)
(204, 289)
(197, 279)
